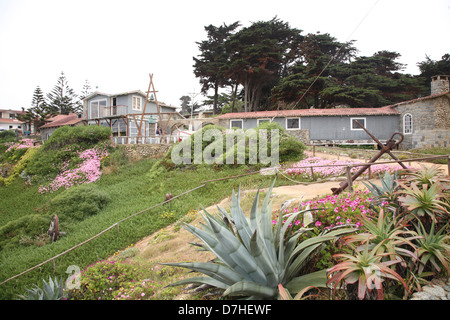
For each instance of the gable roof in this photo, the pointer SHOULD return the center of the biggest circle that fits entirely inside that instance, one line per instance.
(432, 96)
(311, 113)
(62, 120)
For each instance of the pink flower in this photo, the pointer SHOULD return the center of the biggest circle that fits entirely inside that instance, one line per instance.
(318, 223)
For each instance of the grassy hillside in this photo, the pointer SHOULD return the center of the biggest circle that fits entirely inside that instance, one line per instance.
(131, 187)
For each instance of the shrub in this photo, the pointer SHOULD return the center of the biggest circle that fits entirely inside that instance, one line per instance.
(7, 136)
(112, 280)
(79, 202)
(82, 136)
(28, 226)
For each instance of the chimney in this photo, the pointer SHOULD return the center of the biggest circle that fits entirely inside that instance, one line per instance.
(440, 84)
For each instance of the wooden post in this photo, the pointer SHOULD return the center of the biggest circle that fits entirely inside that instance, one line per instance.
(448, 166)
(312, 173)
(349, 179)
(370, 172)
(314, 150)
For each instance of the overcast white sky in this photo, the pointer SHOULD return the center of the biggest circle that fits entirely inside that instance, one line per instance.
(117, 44)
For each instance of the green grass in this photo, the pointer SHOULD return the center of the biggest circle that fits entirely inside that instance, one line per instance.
(132, 188)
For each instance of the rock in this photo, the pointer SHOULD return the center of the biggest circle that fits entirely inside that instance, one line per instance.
(423, 296)
(448, 296)
(434, 290)
(446, 287)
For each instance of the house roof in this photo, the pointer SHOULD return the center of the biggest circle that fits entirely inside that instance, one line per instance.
(13, 111)
(433, 96)
(62, 120)
(2, 120)
(311, 113)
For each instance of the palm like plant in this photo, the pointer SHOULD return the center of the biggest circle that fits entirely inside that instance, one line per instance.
(365, 268)
(254, 257)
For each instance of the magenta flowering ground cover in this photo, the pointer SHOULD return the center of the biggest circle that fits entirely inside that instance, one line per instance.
(325, 168)
(86, 172)
(333, 210)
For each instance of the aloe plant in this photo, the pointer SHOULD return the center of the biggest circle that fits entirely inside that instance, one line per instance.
(254, 257)
(426, 202)
(389, 235)
(427, 175)
(52, 290)
(366, 270)
(433, 248)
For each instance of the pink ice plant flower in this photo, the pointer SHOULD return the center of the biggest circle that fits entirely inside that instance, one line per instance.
(22, 144)
(88, 171)
(336, 168)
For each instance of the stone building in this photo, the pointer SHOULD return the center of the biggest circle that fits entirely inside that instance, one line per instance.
(425, 122)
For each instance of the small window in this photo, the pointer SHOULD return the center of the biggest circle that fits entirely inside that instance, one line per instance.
(407, 123)
(137, 105)
(262, 120)
(355, 126)
(293, 123)
(236, 124)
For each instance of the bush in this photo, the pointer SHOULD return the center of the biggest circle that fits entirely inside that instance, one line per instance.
(290, 149)
(79, 202)
(28, 226)
(82, 136)
(7, 136)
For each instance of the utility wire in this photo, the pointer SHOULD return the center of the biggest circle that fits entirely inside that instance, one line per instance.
(333, 57)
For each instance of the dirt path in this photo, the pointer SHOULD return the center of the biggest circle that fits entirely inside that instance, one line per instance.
(173, 246)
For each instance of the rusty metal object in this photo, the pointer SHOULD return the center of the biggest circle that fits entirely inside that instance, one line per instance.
(53, 230)
(390, 144)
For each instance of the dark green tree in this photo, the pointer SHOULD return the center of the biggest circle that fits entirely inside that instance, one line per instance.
(63, 98)
(311, 73)
(429, 68)
(213, 56)
(259, 55)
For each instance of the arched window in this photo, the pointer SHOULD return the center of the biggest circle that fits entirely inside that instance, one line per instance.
(407, 124)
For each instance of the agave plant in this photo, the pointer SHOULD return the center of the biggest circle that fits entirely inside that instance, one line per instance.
(254, 257)
(52, 290)
(433, 248)
(364, 269)
(387, 190)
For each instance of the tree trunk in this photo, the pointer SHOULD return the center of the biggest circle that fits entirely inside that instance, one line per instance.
(216, 93)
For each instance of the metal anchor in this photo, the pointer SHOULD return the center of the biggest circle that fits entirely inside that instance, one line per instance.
(390, 144)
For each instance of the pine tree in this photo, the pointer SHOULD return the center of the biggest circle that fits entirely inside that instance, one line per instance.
(39, 111)
(63, 98)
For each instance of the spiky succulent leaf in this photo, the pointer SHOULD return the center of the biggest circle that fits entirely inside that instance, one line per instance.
(248, 288)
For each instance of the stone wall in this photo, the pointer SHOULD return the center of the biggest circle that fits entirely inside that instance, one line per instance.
(302, 135)
(431, 123)
(139, 151)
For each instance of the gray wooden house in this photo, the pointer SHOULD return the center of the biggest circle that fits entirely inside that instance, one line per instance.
(124, 113)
